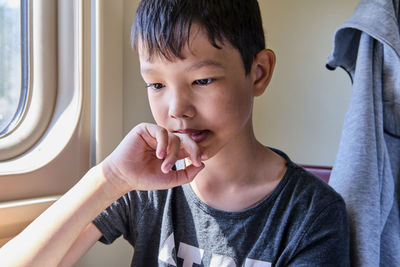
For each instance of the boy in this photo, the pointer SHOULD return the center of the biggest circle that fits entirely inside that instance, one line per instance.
(238, 204)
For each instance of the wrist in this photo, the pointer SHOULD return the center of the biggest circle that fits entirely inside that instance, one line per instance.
(112, 183)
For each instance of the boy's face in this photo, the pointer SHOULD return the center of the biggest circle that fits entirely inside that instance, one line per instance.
(206, 95)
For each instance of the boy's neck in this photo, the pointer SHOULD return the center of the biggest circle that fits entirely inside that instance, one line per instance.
(240, 175)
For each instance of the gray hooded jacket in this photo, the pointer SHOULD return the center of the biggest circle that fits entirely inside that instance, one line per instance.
(366, 171)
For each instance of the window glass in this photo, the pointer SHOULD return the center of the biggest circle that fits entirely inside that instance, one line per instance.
(13, 62)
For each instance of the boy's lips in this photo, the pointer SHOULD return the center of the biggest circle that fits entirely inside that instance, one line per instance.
(197, 135)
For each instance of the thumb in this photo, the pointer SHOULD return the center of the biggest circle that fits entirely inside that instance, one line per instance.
(186, 175)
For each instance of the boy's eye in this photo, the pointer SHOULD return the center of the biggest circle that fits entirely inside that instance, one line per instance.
(203, 82)
(155, 86)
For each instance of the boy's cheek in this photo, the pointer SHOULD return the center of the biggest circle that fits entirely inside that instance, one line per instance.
(160, 116)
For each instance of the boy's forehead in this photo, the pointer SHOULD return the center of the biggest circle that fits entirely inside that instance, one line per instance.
(198, 45)
(192, 59)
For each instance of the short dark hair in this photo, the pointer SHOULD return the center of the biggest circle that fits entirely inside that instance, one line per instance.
(163, 26)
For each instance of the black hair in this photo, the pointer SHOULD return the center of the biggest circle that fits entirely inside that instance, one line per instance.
(163, 26)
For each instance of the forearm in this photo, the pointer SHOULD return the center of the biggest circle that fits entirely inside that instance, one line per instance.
(134, 164)
(48, 238)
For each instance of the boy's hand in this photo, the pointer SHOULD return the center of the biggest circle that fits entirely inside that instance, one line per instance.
(143, 160)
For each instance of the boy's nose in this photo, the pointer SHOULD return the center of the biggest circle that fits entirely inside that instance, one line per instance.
(181, 106)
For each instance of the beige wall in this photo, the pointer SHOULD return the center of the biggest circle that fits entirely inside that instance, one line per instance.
(301, 112)
(303, 109)
(136, 107)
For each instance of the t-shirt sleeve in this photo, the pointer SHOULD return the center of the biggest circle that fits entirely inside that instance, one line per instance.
(116, 220)
(326, 241)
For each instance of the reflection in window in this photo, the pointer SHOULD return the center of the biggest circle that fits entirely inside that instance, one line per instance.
(13, 62)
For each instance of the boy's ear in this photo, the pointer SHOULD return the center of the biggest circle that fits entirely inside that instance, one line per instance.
(262, 69)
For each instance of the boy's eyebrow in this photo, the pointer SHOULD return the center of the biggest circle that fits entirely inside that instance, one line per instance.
(195, 66)
(146, 70)
(205, 63)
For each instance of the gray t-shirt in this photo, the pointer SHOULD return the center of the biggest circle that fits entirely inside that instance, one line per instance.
(303, 222)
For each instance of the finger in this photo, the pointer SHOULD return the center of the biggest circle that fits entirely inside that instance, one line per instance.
(148, 133)
(191, 149)
(186, 175)
(162, 142)
(156, 138)
(174, 144)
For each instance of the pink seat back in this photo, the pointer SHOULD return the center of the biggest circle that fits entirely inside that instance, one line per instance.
(320, 171)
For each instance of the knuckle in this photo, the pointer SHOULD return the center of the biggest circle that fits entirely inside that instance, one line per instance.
(162, 133)
(142, 125)
(162, 130)
(174, 138)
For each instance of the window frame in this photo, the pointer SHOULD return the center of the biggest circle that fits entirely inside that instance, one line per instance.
(54, 159)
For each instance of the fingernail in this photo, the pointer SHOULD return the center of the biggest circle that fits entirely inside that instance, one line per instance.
(168, 167)
(162, 154)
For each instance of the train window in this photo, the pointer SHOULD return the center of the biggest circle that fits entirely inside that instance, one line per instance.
(13, 63)
(28, 88)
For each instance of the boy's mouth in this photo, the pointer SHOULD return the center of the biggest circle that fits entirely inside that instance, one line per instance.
(197, 135)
